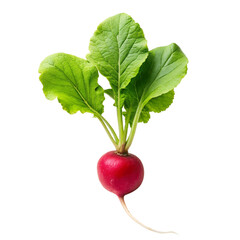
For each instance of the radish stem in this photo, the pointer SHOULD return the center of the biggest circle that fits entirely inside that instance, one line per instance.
(134, 127)
(111, 129)
(107, 131)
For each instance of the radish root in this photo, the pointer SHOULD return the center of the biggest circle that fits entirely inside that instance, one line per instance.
(134, 219)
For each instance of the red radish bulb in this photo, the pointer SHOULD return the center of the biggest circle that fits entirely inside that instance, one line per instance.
(122, 174)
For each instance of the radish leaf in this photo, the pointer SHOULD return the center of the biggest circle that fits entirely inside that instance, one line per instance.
(109, 92)
(73, 81)
(160, 103)
(151, 90)
(118, 48)
(156, 105)
(166, 66)
(141, 81)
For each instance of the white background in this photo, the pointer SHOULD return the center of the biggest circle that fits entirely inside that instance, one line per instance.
(48, 183)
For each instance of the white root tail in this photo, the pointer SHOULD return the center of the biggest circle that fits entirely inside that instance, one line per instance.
(134, 219)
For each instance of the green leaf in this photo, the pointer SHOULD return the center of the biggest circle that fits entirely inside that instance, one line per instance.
(156, 105)
(118, 48)
(73, 81)
(163, 71)
(109, 92)
(152, 88)
(160, 103)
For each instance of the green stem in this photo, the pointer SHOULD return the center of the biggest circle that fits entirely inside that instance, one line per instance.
(120, 122)
(127, 119)
(107, 131)
(111, 129)
(134, 126)
(121, 144)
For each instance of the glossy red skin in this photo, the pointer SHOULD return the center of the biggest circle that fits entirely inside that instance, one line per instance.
(120, 174)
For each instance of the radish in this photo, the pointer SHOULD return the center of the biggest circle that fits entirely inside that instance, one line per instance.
(120, 173)
(141, 81)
